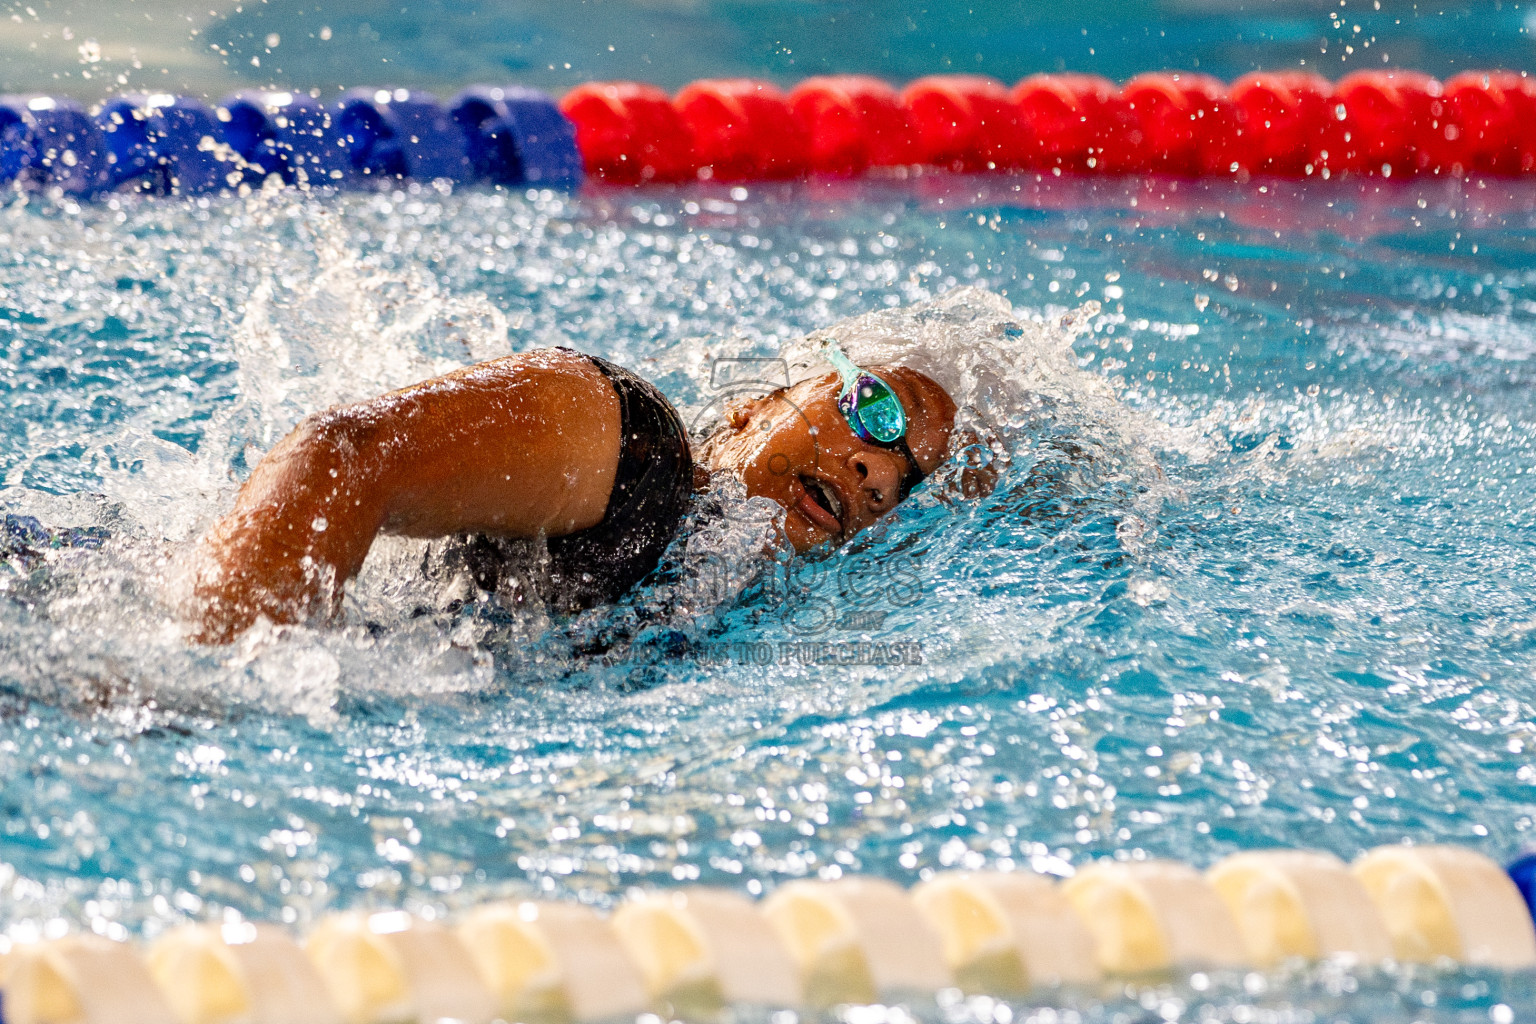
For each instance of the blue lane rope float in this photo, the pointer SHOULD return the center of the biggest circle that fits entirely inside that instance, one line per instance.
(1523, 873)
(126, 141)
(51, 143)
(164, 144)
(400, 133)
(15, 132)
(167, 144)
(284, 133)
(516, 135)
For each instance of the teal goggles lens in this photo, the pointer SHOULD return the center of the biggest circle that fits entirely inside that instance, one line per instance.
(867, 402)
(873, 412)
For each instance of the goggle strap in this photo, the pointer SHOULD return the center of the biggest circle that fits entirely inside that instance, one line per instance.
(842, 364)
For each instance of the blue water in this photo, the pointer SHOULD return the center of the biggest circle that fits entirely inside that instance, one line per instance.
(1306, 621)
(1256, 575)
(214, 48)
(557, 45)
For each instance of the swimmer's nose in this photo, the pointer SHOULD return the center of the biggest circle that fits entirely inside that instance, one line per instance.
(880, 477)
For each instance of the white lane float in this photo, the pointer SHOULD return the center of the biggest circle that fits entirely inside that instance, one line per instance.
(857, 940)
(553, 962)
(1152, 916)
(81, 979)
(1449, 902)
(696, 951)
(1006, 933)
(239, 973)
(1297, 903)
(701, 948)
(390, 968)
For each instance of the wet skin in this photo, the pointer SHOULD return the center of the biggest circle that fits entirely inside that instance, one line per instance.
(522, 446)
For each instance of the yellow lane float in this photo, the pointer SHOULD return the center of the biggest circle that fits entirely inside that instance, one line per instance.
(857, 940)
(1296, 903)
(553, 962)
(390, 968)
(1153, 916)
(82, 979)
(700, 949)
(239, 974)
(1004, 934)
(695, 951)
(1445, 901)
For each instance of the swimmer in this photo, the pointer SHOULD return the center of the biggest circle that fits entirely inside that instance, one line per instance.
(558, 445)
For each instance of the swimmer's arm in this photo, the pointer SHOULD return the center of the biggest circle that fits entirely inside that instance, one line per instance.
(516, 447)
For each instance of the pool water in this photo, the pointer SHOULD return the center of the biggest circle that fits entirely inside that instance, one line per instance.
(1255, 571)
(86, 48)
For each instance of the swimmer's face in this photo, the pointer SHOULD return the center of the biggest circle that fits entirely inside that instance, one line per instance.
(796, 447)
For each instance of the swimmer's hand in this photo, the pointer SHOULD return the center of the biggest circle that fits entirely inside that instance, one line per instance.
(516, 447)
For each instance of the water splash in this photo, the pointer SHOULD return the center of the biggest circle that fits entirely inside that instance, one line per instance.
(1254, 575)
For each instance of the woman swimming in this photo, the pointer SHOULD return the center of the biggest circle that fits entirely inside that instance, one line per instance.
(559, 445)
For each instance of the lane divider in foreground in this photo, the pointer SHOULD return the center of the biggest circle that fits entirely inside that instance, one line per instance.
(695, 950)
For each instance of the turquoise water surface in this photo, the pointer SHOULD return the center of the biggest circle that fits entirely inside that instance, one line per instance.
(1256, 571)
(1290, 606)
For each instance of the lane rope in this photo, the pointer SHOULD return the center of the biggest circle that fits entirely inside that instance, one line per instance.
(1283, 123)
(692, 951)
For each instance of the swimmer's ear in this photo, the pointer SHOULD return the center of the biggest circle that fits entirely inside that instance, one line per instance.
(739, 411)
(977, 478)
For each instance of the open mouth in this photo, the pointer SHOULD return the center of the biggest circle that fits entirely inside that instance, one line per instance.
(825, 509)
(824, 496)
(822, 505)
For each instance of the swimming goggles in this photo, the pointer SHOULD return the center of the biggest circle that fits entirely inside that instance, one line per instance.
(873, 411)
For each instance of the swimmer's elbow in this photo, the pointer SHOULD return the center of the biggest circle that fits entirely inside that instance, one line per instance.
(301, 526)
(327, 459)
(333, 438)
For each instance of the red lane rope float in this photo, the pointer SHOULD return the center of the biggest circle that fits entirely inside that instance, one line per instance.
(629, 133)
(1389, 121)
(743, 130)
(964, 122)
(1491, 122)
(1287, 122)
(1280, 123)
(1187, 124)
(853, 122)
(1066, 119)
